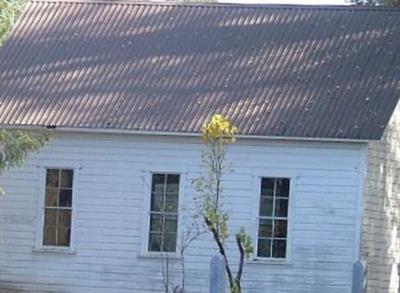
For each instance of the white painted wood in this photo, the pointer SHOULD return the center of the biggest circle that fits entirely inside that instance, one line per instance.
(108, 223)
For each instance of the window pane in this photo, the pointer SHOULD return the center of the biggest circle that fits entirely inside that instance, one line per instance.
(65, 198)
(266, 206)
(156, 223)
(272, 231)
(280, 229)
(279, 248)
(164, 224)
(51, 197)
(158, 183)
(267, 187)
(63, 237)
(264, 248)
(173, 184)
(49, 236)
(57, 220)
(171, 203)
(282, 187)
(172, 178)
(157, 202)
(66, 178)
(265, 228)
(155, 242)
(171, 224)
(64, 218)
(50, 217)
(169, 242)
(52, 178)
(281, 208)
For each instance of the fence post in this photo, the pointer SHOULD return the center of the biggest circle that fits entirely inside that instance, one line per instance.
(217, 274)
(359, 277)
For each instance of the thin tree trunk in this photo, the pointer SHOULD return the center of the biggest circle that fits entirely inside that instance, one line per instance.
(221, 250)
(241, 264)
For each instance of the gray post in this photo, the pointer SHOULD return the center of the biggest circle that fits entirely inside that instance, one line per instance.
(217, 274)
(359, 277)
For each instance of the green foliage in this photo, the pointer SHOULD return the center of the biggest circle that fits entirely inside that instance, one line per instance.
(246, 241)
(9, 12)
(15, 145)
(218, 220)
(235, 289)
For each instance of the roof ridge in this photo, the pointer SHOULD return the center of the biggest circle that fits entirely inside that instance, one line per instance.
(221, 5)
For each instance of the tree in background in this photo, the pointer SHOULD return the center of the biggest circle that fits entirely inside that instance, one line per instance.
(390, 2)
(15, 145)
(9, 12)
(378, 2)
(216, 135)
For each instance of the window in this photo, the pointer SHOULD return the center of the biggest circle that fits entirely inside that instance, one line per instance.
(58, 207)
(273, 218)
(164, 213)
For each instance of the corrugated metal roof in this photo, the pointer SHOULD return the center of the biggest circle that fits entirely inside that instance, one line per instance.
(287, 71)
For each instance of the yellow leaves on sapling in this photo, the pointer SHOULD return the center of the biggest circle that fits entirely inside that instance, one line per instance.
(219, 128)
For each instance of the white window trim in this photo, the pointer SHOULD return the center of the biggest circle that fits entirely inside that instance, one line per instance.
(39, 247)
(256, 209)
(147, 181)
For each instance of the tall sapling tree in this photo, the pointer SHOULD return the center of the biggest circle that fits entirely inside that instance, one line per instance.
(217, 134)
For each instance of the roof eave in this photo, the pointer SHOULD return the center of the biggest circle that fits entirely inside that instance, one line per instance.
(181, 134)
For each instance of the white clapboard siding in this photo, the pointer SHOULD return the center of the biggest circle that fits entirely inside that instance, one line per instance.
(112, 186)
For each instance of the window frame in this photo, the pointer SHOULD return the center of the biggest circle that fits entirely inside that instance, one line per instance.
(39, 246)
(256, 217)
(147, 193)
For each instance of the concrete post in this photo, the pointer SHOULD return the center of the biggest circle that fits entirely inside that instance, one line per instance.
(217, 274)
(359, 277)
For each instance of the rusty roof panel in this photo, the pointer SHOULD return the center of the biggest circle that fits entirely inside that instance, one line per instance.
(286, 71)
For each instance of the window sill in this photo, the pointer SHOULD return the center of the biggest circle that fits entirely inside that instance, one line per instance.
(159, 255)
(54, 250)
(268, 261)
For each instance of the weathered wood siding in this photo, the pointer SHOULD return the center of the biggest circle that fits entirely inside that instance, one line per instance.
(380, 240)
(109, 216)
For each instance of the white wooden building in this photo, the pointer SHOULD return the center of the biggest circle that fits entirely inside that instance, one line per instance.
(125, 88)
